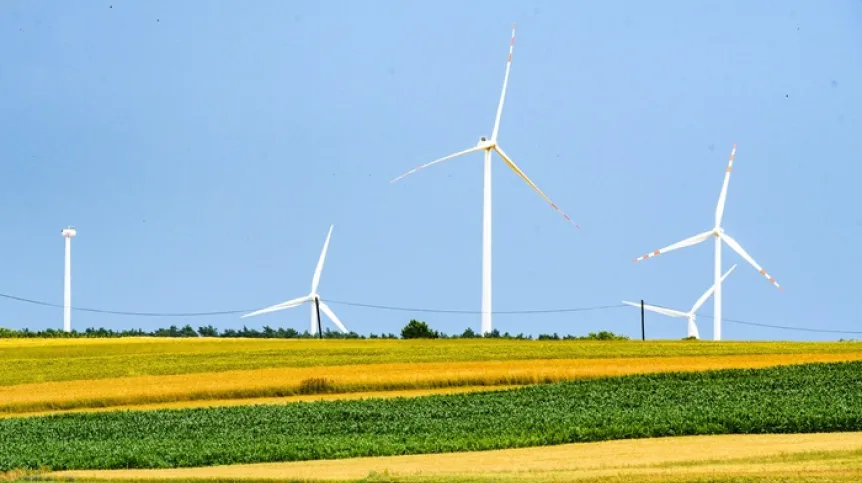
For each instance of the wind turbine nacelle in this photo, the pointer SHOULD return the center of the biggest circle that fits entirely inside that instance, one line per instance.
(484, 143)
(69, 232)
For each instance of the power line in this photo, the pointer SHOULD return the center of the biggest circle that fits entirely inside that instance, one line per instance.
(785, 327)
(339, 302)
(402, 309)
(126, 313)
(474, 312)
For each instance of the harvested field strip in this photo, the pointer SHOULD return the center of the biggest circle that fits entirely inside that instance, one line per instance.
(828, 455)
(283, 382)
(806, 398)
(39, 360)
(352, 396)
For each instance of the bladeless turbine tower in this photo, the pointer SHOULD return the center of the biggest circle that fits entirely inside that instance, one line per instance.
(68, 234)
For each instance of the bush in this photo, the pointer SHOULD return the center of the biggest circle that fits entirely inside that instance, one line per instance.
(315, 385)
(208, 331)
(416, 329)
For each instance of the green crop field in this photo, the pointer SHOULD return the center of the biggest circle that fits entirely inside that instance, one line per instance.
(790, 399)
(28, 361)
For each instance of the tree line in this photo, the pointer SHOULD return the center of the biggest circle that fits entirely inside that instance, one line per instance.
(415, 329)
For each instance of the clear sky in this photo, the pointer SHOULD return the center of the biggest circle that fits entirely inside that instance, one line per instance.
(202, 149)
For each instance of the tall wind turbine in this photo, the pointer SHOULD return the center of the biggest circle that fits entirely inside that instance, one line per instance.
(68, 234)
(314, 297)
(720, 235)
(691, 314)
(488, 145)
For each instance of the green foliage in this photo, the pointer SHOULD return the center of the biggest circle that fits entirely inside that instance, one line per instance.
(208, 331)
(414, 329)
(417, 329)
(174, 331)
(789, 399)
(603, 335)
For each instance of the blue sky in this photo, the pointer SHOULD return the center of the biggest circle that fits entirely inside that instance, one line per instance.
(202, 149)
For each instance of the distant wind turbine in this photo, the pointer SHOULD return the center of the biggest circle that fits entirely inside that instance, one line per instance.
(488, 145)
(68, 234)
(720, 235)
(311, 297)
(691, 314)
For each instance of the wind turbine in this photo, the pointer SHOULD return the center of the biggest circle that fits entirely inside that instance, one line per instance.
(691, 314)
(311, 297)
(720, 235)
(488, 145)
(68, 234)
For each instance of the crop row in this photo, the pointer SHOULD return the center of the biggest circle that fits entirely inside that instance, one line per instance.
(293, 381)
(789, 399)
(29, 361)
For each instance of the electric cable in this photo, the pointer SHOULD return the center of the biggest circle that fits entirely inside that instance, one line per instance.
(402, 309)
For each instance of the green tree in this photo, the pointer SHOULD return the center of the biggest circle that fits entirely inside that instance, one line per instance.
(416, 329)
(208, 331)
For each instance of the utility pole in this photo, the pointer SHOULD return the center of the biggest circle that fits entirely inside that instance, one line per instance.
(317, 307)
(643, 332)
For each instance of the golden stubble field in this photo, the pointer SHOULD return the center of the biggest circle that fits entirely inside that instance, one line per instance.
(768, 457)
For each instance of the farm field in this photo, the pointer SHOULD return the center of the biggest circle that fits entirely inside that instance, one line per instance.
(264, 385)
(737, 458)
(350, 396)
(807, 398)
(25, 361)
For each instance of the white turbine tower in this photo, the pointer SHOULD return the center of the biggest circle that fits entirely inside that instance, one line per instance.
(311, 297)
(68, 234)
(691, 314)
(720, 235)
(488, 145)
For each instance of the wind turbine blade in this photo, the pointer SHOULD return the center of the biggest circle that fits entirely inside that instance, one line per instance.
(460, 153)
(738, 249)
(505, 85)
(523, 176)
(722, 198)
(281, 306)
(658, 310)
(316, 280)
(709, 292)
(692, 329)
(685, 243)
(329, 313)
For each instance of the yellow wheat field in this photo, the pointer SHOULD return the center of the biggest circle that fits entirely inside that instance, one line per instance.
(347, 396)
(25, 361)
(289, 381)
(836, 456)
